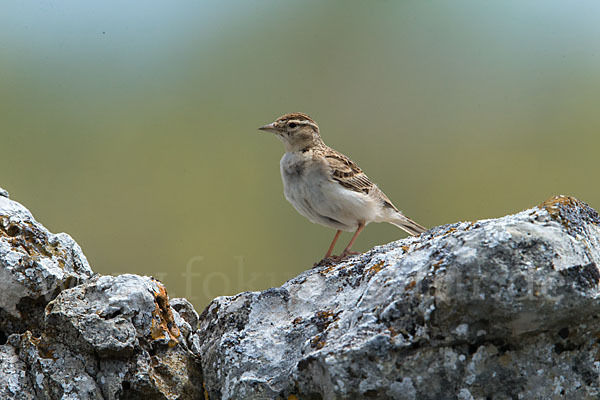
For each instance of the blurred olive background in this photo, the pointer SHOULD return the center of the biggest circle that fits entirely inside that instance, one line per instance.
(132, 125)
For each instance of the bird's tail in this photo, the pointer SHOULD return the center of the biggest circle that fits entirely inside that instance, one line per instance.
(407, 224)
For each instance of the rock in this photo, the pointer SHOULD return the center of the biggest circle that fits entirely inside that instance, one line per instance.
(504, 307)
(128, 331)
(109, 338)
(185, 310)
(3, 193)
(70, 334)
(36, 266)
(15, 382)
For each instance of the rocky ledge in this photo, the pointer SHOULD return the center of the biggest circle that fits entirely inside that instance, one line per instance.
(503, 308)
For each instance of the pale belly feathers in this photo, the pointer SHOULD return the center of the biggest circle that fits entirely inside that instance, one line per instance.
(322, 200)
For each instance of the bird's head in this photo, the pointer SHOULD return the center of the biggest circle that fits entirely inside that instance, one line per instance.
(297, 131)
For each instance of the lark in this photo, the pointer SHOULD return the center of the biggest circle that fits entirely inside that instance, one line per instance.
(327, 187)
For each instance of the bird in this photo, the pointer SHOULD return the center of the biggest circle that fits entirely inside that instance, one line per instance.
(329, 188)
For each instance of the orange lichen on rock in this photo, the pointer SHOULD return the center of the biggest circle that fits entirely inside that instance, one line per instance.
(572, 213)
(205, 391)
(376, 267)
(328, 269)
(552, 205)
(325, 314)
(162, 321)
(317, 342)
(31, 239)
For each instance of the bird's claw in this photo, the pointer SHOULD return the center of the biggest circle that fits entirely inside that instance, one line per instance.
(345, 254)
(330, 259)
(324, 261)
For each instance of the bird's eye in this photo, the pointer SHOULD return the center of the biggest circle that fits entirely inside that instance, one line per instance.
(292, 125)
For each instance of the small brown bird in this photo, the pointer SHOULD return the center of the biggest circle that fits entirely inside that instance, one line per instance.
(327, 187)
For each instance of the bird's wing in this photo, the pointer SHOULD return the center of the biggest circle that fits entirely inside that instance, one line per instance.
(349, 175)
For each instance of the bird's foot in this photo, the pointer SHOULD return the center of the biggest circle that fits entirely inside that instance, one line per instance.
(332, 259)
(324, 261)
(345, 254)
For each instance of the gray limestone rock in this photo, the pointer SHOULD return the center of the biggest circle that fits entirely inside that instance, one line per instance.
(108, 338)
(15, 380)
(36, 266)
(506, 308)
(503, 308)
(66, 333)
(128, 335)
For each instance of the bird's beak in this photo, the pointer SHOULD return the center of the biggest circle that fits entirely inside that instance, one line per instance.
(269, 127)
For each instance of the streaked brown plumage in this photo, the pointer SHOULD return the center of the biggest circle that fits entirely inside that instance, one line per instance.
(326, 186)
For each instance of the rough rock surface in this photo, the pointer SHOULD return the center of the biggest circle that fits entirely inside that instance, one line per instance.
(36, 266)
(504, 308)
(68, 334)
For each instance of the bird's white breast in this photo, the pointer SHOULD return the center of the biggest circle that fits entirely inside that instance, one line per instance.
(308, 186)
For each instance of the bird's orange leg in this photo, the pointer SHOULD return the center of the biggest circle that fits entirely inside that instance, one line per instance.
(335, 238)
(347, 251)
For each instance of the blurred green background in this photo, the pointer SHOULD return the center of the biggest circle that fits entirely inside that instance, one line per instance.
(132, 125)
